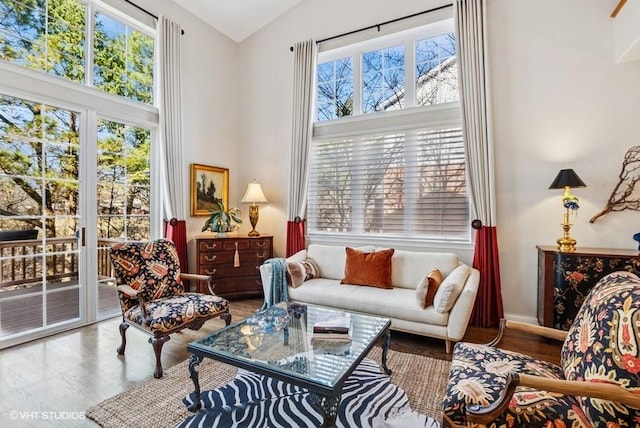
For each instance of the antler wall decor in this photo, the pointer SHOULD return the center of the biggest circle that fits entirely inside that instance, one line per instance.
(625, 196)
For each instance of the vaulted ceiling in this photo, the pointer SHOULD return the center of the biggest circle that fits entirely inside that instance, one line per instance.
(237, 19)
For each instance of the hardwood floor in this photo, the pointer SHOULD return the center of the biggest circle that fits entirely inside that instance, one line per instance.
(52, 381)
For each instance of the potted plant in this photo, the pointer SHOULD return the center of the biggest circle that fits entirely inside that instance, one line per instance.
(220, 220)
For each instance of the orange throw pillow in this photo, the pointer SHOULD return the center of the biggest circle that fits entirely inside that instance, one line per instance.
(426, 290)
(372, 269)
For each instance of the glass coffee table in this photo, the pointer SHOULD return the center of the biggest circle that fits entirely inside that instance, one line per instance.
(277, 342)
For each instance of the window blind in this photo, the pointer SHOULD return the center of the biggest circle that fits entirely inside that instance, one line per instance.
(407, 182)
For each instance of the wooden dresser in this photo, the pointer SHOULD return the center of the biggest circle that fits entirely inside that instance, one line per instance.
(215, 257)
(565, 279)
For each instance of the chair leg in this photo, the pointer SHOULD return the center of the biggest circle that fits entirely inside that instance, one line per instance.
(123, 334)
(226, 317)
(447, 346)
(157, 343)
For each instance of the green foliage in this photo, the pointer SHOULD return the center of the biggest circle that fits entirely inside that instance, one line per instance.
(39, 144)
(124, 63)
(220, 219)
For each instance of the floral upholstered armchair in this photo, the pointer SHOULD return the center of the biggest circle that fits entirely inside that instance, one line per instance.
(152, 294)
(597, 384)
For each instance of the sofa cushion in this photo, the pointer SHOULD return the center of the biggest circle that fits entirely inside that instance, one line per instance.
(396, 303)
(410, 267)
(603, 345)
(330, 259)
(300, 256)
(426, 290)
(300, 272)
(450, 289)
(371, 269)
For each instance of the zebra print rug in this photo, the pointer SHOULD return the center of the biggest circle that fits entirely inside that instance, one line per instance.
(157, 403)
(369, 399)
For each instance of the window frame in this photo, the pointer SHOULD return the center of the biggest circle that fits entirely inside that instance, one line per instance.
(97, 6)
(93, 104)
(429, 116)
(407, 38)
(91, 8)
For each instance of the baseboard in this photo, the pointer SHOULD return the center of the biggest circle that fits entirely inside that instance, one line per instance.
(522, 318)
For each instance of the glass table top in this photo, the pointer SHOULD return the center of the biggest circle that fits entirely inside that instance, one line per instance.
(278, 340)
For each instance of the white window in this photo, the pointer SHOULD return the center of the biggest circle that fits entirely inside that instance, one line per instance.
(387, 156)
(77, 155)
(123, 59)
(335, 89)
(50, 36)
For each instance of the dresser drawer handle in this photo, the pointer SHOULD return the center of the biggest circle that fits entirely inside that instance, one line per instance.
(261, 256)
(210, 272)
(210, 246)
(210, 258)
(261, 244)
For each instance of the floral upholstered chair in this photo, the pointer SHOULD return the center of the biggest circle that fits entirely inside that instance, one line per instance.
(597, 384)
(152, 294)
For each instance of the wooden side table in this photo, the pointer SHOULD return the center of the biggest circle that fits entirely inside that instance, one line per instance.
(215, 257)
(565, 279)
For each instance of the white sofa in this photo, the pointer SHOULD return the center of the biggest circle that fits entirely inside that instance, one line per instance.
(400, 303)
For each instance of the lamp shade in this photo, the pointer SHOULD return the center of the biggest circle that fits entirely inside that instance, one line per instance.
(567, 178)
(254, 194)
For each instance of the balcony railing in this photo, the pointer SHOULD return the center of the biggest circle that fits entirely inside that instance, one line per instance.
(21, 262)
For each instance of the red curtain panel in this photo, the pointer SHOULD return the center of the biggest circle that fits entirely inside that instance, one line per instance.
(176, 231)
(295, 236)
(488, 310)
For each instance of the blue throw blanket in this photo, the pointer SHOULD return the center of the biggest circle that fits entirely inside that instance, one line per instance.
(278, 287)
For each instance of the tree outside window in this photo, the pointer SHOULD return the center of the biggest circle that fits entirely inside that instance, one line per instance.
(40, 143)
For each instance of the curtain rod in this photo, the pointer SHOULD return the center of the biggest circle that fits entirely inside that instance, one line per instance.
(146, 11)
(370, 27)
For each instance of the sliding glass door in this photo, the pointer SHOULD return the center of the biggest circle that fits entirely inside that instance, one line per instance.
(40, 222)
(70, 187)
(123, 199)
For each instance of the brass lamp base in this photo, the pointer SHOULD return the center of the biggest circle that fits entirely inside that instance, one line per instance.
(253, 218)
(566, 244)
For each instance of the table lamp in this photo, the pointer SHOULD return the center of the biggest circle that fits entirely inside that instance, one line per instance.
(566, 179)
(253, 195)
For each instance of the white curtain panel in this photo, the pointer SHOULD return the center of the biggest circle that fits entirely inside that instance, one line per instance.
(471, 40)
(304, 61)
(170, 102)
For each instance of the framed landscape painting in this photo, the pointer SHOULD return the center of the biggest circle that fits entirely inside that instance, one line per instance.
(208, 184)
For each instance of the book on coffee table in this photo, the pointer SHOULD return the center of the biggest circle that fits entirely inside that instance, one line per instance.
(341, 338)
(334, 328)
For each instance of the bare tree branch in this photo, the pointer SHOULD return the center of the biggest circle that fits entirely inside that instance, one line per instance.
(623, 196)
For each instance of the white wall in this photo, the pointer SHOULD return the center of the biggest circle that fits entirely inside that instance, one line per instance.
(210, 102)
(559, 101)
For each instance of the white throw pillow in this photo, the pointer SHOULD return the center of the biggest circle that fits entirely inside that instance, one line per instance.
(450, 289)
(299, 272)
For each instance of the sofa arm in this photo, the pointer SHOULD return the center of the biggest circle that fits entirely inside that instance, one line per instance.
(460, 314)
(265, 277)
(265, 272)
